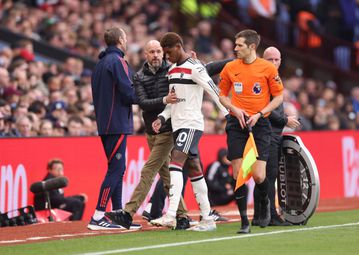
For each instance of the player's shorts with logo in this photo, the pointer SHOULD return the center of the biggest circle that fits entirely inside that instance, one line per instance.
(237, 138)
(186, 140)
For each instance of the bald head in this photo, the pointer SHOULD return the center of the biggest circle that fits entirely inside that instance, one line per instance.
(273, 55)
(152, 43)
(154, 53)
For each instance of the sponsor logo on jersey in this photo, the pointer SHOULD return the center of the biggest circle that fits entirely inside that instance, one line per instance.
(257, 88)
(181, 75)
(179, 100)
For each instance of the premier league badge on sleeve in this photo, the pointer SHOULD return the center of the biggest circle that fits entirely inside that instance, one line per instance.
(298, 181)
(238, 87)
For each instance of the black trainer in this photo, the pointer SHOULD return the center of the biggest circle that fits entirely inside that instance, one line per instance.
(120, 217)
(278, 221)
(146, 216)
(245, 229)
(182, 223)
(264, 217)
(217, 216)
(255, 222)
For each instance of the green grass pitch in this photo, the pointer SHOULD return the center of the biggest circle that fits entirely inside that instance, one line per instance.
(325, 233)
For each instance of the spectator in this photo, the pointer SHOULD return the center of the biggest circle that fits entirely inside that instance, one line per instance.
(4, 80)
(57, 111)
(24, 126)
(219, 180)
(355, 99)
(2, 125)
(203, 43)
(60, 128)
(75, 126)
(46, 128)
(74, 204)
(209, 126)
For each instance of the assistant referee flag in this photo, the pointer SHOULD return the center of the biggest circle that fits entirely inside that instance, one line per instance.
(249, 157)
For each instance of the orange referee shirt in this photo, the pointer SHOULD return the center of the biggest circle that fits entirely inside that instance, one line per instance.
(251, 85)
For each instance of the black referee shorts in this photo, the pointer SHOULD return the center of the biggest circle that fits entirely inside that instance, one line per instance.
(237, 138)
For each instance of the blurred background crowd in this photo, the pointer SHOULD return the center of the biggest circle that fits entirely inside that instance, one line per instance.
(39, 97)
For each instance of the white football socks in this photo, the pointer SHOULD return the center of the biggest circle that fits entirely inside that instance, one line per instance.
(175, 190)
(201, 193)
(98, 215)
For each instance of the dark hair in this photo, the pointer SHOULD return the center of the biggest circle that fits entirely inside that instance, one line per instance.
(250, 36)
(170, 40)
(76, 119)
(222, 152)
(112, 36)
(37, 107)
(54, 161)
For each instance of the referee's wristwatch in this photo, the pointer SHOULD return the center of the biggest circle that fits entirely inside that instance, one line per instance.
(261, 114)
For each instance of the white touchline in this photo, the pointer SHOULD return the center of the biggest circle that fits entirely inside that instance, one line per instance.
(63, 235)
(218, 239)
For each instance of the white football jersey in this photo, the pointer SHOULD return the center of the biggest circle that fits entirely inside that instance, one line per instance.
(188, 80)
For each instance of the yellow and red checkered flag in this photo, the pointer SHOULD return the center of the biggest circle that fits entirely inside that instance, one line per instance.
(249, 157)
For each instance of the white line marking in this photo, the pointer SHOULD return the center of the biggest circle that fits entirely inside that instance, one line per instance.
(11, 241)
(38, 238)
(35, 238)
(218, 239)
(65, 235)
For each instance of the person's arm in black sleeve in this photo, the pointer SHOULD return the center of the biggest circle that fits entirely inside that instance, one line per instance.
(146, 104)
(215, 67)
(278, 118)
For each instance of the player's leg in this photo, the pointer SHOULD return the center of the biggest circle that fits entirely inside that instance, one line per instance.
(241, 195)
(236, 140)
(165, 177)
(200, 191)
(175, 167)
(262, 136)
(118, 164)
(183, 140)
(160, 145)
(114, 147)
(75, 206)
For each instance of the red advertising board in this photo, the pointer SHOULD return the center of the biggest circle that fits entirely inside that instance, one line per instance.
(23, 161)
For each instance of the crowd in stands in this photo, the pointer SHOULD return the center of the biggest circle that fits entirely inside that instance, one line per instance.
(50, 99)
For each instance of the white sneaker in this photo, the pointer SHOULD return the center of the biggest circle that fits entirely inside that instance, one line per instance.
(204, 225)
(165, 221)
